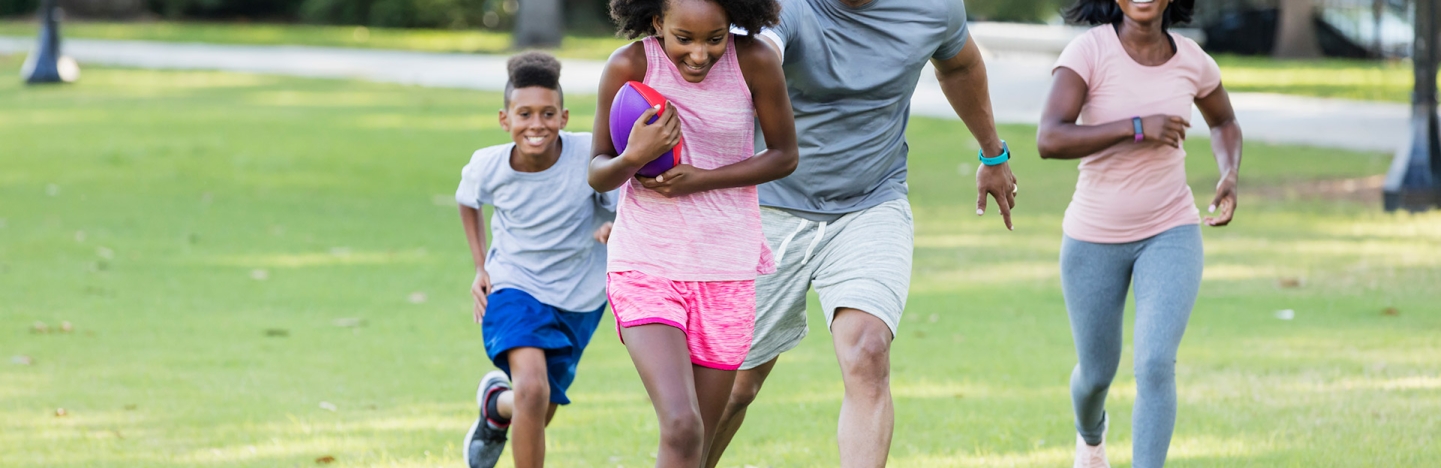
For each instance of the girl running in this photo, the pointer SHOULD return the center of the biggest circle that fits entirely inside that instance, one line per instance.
(1133, 219)
(687, 245)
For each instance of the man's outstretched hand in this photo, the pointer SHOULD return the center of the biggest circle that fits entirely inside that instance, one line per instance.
(999, 183)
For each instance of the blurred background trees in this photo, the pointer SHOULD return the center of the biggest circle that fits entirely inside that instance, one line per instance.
(585, 16)
(1284, 28)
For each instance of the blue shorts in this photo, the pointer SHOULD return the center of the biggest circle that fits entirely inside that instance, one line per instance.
(515, 319)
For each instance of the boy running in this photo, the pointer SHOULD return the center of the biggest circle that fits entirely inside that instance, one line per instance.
(540, 288)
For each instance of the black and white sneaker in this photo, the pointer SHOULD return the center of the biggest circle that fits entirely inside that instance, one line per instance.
(486, 438)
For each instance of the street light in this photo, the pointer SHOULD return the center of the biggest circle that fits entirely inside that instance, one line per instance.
(44, 64)
(1412, 182)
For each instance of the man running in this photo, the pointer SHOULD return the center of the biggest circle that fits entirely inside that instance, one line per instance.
(841, 222)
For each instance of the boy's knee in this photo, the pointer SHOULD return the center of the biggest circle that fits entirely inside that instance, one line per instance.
(531, 392)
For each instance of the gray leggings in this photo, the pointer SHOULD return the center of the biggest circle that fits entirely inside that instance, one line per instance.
(1166, 270)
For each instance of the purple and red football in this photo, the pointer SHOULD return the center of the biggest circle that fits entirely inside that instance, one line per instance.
(630, 102)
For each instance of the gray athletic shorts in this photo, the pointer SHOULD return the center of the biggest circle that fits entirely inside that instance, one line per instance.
(860, 261)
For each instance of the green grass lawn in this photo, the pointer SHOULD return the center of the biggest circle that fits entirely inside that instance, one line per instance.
(1339, 78)
(210, 236)
(1336, 78)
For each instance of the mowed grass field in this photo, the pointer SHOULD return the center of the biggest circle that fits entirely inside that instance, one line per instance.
(265, 271)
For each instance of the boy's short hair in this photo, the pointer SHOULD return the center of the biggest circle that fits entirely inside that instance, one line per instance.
(532, 69)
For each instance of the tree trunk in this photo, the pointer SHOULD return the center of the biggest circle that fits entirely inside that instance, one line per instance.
(1296, 33)
(539, 23)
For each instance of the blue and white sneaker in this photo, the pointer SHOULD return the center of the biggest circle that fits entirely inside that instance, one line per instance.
(486, 438)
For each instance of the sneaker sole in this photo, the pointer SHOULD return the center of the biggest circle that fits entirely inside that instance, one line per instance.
(485, 382)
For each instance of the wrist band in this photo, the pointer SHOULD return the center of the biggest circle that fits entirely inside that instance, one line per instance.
(1136, 122)
(998, 160)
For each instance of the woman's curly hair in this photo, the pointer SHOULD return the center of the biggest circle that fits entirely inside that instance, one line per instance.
(531, 69)
(1096, 12)
(634, 16)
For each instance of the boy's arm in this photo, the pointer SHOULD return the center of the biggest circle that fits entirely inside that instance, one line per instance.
(761, 66)
(475, 236)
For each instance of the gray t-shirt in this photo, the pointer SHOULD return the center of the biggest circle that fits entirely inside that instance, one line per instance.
(541, 232)
(851, 73)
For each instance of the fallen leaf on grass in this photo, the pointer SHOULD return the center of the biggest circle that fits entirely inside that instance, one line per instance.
(328, 406)
(277, 332)
(39, 327)
(325, 460)
(130, 407)
(66, 327)
(1289, 282)
(417, 298)
(60, 412)
(22, 360)
(1390, 311)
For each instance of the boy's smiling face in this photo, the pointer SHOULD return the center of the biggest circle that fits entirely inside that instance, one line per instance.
(534, 119)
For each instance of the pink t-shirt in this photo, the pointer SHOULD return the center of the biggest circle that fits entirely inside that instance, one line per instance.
(1132, 191)
(708, 236)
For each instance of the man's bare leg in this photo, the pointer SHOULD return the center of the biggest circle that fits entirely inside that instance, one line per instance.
(743, 392)
(863, 348)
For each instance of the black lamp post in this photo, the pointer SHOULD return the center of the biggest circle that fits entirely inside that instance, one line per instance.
(43, 65)
(1414, 181)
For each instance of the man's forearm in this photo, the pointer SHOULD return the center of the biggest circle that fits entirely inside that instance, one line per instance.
(969, 94)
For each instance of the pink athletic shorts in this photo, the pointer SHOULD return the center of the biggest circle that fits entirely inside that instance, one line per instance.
(717, 317)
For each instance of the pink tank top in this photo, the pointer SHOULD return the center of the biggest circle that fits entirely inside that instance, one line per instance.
(707, 236)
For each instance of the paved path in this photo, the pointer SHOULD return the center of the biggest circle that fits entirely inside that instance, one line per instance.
(1019, 82)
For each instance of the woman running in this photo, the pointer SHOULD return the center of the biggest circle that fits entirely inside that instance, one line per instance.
(1133, 220)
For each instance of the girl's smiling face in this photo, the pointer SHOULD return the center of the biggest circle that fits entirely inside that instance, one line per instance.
(1143, 11)
(694, 34)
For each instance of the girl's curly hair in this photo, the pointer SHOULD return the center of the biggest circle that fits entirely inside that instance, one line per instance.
(634, 16)
(1097, 12)
(531, 69)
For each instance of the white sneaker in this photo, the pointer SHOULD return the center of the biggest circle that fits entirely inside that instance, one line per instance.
(1088, 456)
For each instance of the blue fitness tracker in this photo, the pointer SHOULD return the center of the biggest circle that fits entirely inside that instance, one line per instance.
(1136, 122)
(998, 160)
